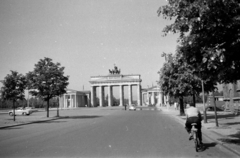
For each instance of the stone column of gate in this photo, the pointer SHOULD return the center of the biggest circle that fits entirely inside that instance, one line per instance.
(162, 99)
(100, 96)
(153, 98)
(64, 101)
(130, 94)
(139, 95)
(75, 100)
(110, 96)
(148, 100)
(88, 99)
(165, 103)
(103, 94)
(143, 98)
(93, 96)
(159, 99)
(121, 95)
(70, 106)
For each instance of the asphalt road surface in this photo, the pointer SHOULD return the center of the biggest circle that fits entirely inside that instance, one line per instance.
(104, 133)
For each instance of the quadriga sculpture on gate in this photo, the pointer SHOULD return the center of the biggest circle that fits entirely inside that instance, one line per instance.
(115, 70)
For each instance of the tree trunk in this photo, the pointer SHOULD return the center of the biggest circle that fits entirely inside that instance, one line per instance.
(231, 95)
(215, 109)
(194, 99)
(203, 99)
(57, 106)
(14, 110)
(182, 113)
(47, 107)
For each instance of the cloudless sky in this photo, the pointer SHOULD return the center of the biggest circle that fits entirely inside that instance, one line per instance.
(86, 36)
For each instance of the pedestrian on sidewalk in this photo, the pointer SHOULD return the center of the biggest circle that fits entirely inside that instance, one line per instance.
(176, 106)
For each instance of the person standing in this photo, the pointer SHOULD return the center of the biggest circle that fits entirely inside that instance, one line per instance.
(175, 105)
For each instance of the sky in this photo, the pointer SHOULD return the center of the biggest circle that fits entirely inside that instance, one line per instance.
(87, 37)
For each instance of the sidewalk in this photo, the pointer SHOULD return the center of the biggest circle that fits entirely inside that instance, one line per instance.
(226, 134)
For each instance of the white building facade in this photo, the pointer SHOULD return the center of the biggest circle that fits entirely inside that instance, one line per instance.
(153, 96)
(74, 99)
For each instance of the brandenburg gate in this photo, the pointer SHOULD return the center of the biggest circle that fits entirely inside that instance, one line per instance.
(111, 80)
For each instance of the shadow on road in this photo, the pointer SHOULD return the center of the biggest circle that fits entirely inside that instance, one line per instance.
(68, 117)
(50, 121)
(234, 139)
(56, 120)
(227, 116)
(232, 123)
(80, 117)
(12, 128)
(208, 145)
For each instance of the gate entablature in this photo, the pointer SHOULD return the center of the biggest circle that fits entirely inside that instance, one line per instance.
(116, 79)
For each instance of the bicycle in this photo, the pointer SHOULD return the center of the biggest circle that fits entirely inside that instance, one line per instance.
(194, 132)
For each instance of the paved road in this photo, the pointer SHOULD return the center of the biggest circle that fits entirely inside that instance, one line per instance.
(104, 133)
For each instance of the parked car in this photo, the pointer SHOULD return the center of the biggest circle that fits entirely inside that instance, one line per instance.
(20, 111)
(132, 107)
(31, 109)
(220, 105)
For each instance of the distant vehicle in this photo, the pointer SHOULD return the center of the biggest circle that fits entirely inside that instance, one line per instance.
(220, 105)
(31, 109)
(132, 107)
(20, 111)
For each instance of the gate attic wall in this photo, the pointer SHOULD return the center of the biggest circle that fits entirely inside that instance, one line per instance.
(111, 81)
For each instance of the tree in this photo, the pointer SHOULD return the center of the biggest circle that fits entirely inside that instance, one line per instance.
(178, 79)
(169, 82)
(13, 88)
(47, 80)
(210, 30)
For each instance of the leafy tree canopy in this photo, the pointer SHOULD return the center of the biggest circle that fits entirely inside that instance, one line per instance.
(208, 35)
(178, 78)
(14, 85)
(47, 80)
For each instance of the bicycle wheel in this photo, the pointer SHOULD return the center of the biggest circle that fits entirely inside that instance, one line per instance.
(196, 141)
(199, 145)
(196, 145)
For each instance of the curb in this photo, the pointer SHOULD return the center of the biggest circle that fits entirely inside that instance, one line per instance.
(221, 143)
(180, 120)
